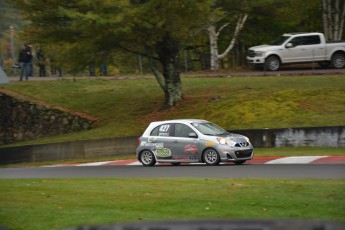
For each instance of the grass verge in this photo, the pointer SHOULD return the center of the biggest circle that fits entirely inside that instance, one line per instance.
(57, 203)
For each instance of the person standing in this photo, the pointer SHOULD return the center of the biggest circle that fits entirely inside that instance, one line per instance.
(25, 58)
(31, 64)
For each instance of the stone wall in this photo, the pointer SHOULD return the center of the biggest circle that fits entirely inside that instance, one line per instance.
(22, 119)
(326, 136)
(333, 136)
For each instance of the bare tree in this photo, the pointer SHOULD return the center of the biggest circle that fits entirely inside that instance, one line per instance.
(213, 38)
(333, 16)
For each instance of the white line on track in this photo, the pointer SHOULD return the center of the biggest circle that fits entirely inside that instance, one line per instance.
(295, 160)
(135, 163)
(94, 163)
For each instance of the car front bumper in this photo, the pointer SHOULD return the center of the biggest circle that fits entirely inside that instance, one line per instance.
(236, 153)
(256, 60)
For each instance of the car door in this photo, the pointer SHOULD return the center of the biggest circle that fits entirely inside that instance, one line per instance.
(295, 53)
(305, 49)
(314, 46)
(185, 145)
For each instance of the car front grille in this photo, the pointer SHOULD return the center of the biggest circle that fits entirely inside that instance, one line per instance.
(244, 153)
(242, 144)
(251, 53)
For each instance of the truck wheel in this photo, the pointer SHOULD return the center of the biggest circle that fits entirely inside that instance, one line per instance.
(338, 61)
(324, 64)
(272, 63)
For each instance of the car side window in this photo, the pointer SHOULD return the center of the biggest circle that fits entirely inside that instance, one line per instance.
(162, 130)
(306, 40)
(182, 130)
(312, 40)
(297, 41)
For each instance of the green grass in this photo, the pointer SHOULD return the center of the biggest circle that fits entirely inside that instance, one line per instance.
(125, 107)
(58, 203)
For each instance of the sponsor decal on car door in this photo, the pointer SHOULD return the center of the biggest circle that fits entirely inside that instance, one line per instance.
(186, 148)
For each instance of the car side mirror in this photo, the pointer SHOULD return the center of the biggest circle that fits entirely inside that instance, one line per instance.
(289, 45)
(192, 135)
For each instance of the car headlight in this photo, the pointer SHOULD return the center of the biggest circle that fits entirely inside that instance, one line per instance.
(225, 141)
(247, 139)
(259, 54)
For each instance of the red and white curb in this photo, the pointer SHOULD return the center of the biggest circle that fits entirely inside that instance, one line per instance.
(255, 160)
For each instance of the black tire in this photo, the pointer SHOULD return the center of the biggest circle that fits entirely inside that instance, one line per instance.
(258, 67)
(338, 61)
(211, 157)
(176, 163)
(147, 158)
(239, 162)
(272, 63)
(324, 64)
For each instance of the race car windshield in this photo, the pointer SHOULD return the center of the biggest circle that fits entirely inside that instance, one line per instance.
(209, 129)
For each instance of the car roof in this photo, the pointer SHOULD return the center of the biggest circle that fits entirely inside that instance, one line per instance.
(301, 33)
(183, 121)
(179, 121)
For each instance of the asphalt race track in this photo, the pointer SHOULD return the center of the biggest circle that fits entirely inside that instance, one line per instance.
(323, 171)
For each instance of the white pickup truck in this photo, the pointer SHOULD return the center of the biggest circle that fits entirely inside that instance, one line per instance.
(298, 48)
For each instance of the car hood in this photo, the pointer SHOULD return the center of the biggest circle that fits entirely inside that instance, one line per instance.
(263, 48)
(238, 138)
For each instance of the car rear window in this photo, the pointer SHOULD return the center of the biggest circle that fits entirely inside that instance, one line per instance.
(162, 130)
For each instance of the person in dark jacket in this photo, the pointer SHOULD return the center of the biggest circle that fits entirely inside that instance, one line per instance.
(25, 58)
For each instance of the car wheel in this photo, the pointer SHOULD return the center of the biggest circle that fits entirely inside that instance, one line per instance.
(239, 162)
(272, 63)
(338, 61)
(147, 158)
(211, 157)
(176, 163)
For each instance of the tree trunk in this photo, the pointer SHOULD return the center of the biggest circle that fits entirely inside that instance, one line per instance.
(173, 89)
(213, 47)
(336, 20)
(169, 79)
(239, 27)
(342, 20)
(325, 18)
(333, 13)
(213, 37)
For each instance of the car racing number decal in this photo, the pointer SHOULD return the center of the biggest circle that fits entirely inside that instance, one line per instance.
(164, 130)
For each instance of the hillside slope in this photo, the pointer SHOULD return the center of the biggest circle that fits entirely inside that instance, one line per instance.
(125, 107)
